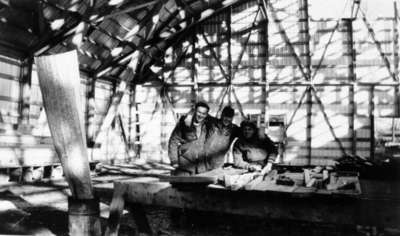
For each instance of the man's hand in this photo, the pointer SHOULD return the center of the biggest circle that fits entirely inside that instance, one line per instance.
(254, 167)
(175, 166)
(266, 169)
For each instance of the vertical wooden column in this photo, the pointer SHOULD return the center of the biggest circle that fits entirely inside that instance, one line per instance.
(347, 26)
(59, 82)
(371, 112)
(138, 143)
(163, 121)
(263, 54)
(229, 38)
(304, 36)
(195, 88)
(90, 112)
(132, 101)
(396, 59)
(25, 88)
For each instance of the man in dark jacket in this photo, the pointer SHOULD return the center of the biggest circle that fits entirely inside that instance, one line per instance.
(220, 140)
(186, 147)
(253, 152)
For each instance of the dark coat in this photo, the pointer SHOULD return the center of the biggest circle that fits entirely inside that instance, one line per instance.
(219, 142)
(187, 150)
(254, 151)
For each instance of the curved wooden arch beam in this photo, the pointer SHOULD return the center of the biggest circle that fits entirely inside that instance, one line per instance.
(59, 82)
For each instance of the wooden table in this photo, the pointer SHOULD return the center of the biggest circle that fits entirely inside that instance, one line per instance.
(378, 205)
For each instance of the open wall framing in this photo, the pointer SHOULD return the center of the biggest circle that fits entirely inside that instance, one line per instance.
(325, 78)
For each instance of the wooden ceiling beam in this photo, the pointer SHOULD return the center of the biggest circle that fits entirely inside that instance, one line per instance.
(215, 7)
(9, 50)
(27, 5)
(130, 8)
(115, 61)
(19, 19)
(51, 40)
(95, 26)
(167, 13)
(21, 38)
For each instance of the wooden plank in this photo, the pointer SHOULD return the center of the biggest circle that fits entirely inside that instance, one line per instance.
(59, 82)
(25, 95)
(90, 112)
(348, 24)
(304, 36)
(201, 180)
(363, 210)
(116, 209)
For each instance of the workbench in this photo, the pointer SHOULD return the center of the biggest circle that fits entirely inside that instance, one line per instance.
(378, 205)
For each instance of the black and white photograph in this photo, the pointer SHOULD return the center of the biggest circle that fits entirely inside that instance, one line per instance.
(200, 117)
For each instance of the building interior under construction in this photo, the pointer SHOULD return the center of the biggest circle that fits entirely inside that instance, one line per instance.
(322, 78)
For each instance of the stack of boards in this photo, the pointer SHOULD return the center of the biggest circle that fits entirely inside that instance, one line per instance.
(316, 180)
(297, 182)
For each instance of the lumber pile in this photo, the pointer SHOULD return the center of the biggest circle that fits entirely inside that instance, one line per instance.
(151, 169)
(324, 180)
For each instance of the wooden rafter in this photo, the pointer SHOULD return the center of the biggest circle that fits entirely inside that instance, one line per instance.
(115, 61)
(378, 46)
(214, 55)
(217, 8)
(53, 39)
(179, 35)
(128, 8)
(239, 60)
(167, 13)
(331, 129)
(268, 5)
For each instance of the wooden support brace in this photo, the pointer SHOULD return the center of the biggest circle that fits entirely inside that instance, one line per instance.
(116, 210)
(378, 46)
(112, 110)
(59, 82)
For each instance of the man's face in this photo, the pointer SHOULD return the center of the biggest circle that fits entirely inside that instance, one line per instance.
(248, 132)
(226, 120)
(201, 114)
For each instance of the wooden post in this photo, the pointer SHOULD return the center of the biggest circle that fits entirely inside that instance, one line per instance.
(228, 21)
(195, 88)
(264, 55)
(138, 143)
(84, 216)
(59, 82)
(25, 88)
(305, 56)
(396, 59)
(371, 111)
(91, 112)
(351, 56)
(131, 120)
